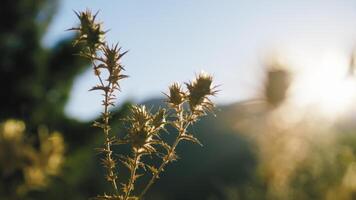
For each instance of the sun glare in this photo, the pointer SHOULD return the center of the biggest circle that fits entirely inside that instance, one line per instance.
(326, 87)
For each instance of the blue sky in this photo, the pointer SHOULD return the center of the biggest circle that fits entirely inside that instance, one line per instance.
(172, 40)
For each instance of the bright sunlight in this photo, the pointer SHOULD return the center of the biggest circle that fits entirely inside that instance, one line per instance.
(326, 86)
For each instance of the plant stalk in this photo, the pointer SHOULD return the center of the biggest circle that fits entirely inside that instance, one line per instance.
(181, 131)
(106, 129)
(132, 175)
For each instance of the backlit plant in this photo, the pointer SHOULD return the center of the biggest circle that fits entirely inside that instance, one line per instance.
(185, 106)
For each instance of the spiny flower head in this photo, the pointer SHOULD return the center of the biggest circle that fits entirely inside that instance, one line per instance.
(144, 126)
(176, 96)
(90, 31)
(140, 115)
(112, 56)
(111, 62)
(138, 136)
(199, 91)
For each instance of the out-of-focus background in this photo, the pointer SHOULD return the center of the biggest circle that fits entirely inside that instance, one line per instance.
(285, 122)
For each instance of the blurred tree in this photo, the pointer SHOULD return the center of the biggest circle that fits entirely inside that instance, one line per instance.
(35, 81)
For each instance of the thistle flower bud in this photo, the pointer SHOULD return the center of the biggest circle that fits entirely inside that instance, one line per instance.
(138, 136)
(139, 122)
(176, 95)
(198, 92)
(111, 62)
(143, 127)
(139, 115)
(90, 31)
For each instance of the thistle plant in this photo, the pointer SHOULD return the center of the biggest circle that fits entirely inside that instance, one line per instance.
(102, 57)
(143, 128)
(197, 97)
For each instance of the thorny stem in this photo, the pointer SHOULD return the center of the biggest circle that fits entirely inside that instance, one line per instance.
(132, 174)
(106, 129)
(108, 142)
(181, 131)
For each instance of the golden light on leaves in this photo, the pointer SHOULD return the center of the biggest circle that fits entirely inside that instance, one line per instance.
(19, 154)
(13, 130)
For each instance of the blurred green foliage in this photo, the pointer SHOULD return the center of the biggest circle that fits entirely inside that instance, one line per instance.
(18, 155)
(35, 84)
